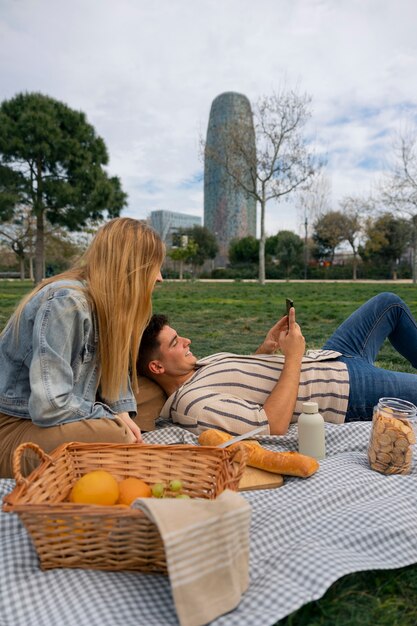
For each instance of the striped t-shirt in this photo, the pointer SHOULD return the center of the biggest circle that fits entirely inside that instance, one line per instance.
(228, 391)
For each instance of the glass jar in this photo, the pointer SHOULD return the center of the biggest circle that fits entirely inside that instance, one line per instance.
(392, 436)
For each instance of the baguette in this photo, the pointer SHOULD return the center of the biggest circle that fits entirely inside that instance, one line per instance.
(287, 463)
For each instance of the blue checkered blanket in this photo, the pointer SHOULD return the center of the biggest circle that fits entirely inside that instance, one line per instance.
(304, 536)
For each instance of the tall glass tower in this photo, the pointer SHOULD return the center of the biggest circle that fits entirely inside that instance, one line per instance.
(229, 211)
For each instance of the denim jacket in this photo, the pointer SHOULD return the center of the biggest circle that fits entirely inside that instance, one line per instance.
(49, 370)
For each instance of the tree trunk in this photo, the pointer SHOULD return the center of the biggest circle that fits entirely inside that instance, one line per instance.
(40, 225)
(39, 248)
(305, 247)
(22, 268)
(262, 242)
(181, 269)
(262, 261)
(31, 274)
(355, 267)
(414, 248)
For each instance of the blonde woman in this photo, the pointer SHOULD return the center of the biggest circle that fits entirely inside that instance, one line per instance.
(68, 353)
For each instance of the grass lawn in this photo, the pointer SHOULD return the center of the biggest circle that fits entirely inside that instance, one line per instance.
(235, 317)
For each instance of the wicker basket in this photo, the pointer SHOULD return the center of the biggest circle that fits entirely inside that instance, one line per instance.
(110, 537)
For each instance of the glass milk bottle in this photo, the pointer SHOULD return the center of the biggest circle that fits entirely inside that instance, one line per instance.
(311, 436)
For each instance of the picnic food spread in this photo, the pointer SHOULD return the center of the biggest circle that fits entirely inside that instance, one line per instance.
(391, 438)
(96, 487)
(131, 488)
(100, 487)
(287, 463)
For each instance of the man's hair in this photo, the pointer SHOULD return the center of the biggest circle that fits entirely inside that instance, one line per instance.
(149, 343)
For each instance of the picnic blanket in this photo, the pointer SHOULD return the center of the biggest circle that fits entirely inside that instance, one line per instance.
(207, 552)
(303, 537)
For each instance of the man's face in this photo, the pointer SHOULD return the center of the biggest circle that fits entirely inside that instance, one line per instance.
(174, 353)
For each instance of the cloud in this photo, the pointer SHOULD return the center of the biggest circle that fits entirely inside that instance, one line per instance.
(146, 73)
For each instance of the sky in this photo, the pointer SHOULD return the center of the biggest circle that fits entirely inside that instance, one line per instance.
(145, 72)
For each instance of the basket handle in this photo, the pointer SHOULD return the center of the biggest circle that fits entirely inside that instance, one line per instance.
(17, 460)
(238, 455)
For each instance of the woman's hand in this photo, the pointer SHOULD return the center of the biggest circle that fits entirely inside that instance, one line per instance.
(133, 428)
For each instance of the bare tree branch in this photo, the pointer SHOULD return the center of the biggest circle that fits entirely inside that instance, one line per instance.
(398, 190)
(283, 162)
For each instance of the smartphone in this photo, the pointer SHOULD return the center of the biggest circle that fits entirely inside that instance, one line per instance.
(289, 303)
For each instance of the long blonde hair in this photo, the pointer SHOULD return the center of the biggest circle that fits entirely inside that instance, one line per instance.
(119, 270)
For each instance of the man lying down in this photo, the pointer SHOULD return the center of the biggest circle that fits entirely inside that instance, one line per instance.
(237, 393)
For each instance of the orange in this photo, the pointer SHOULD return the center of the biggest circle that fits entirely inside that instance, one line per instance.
(131, 488)
(96, 487)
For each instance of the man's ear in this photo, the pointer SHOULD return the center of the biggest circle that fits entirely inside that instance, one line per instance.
(156, 367)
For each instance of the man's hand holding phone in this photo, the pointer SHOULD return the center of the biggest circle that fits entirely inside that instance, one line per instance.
(292, 341)
(289, 304)
(277, 334)
(270, 345)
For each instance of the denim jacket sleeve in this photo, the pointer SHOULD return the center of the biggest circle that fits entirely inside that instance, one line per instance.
(126, 402)
(64, 368)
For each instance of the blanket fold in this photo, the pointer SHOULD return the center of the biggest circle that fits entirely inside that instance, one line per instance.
(207, 552)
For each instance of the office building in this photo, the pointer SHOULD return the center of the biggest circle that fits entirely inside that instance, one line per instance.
(229, 211)
(167, 223)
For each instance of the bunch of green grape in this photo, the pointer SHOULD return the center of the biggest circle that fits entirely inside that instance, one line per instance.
(161, 490)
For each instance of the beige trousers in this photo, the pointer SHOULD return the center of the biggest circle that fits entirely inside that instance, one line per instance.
(14, 431)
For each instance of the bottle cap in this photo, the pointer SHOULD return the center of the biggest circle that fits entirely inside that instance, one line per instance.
(310, 407)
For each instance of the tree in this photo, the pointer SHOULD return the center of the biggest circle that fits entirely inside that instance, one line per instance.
(352, 208)
(244, 250)
(52, 160)
(314, 200)
(18, 234)
(7, 258)
(283, 161)
(61, 248)
(206, 244)
(388, 238)
(399, 187)
(328, 234)
(289, 250)
(184, 253)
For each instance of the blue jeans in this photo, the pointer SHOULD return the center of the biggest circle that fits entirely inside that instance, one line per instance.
(360, 338)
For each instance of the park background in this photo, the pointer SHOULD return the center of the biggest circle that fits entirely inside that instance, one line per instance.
(143, 76)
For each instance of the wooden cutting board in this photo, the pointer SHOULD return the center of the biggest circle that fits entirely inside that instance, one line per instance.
(254, 478)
